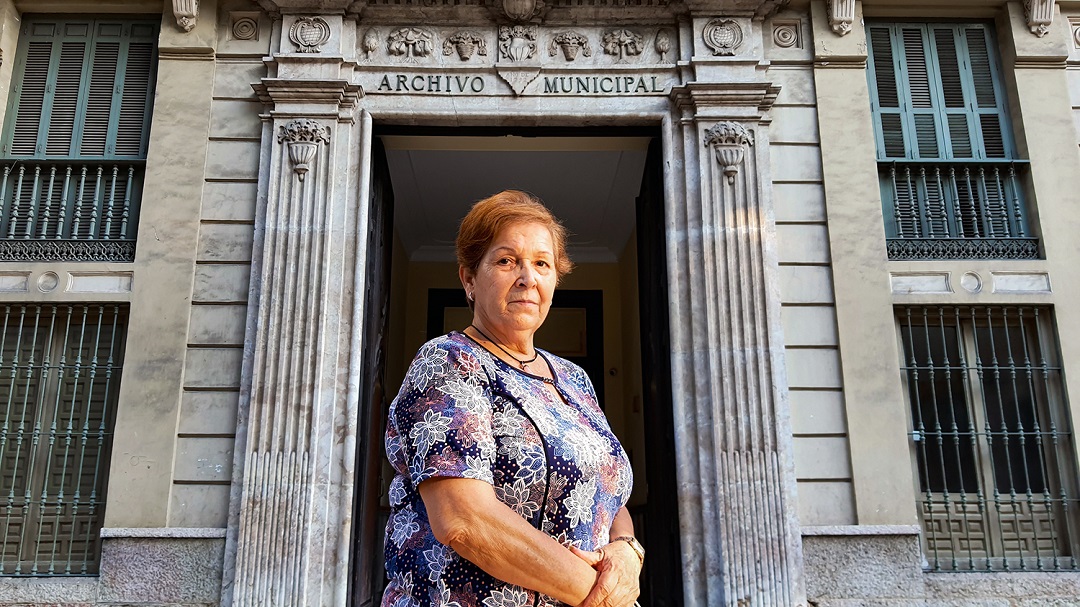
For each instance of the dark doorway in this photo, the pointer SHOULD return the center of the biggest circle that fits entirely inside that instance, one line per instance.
(410, 292)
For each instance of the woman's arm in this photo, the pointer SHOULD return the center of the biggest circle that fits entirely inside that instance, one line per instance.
(620, 567)
(466, 515)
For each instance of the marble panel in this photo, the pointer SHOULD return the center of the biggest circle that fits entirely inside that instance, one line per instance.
(794, 124)
(217, 325)
(219, 283)
(802, 243)
(806, 284)
(817, 412)
(160, 570)
(14, 282)
(809, 325)
(199, 505)
(909, 283)
(203, 459)
(232, 159)
(213, 367)
(235, 119)
(796, 84)
(813, 367)
(1021, 282)
(225, 242)
(826, 503)
(822, 458)
(229, 200)
(795, 162)
(233, 78)
(799, 202)
(100, 282)
(208, 412)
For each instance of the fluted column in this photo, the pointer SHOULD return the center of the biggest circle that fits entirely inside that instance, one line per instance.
(293, 475)
(736, 473)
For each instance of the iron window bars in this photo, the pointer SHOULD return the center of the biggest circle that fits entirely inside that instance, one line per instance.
(59, 379)
(990, 437)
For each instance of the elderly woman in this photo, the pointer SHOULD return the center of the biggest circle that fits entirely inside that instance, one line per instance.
(510, 486)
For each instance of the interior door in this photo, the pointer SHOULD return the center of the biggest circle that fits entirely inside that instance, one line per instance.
(367, 579)
(662, 575)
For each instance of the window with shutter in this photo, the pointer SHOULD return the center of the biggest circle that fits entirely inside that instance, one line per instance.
(951, 183)
(75, 139)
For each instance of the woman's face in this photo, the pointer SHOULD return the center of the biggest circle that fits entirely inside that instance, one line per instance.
(513, 284)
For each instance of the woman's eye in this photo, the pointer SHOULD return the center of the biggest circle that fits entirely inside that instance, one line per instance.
(505, 261)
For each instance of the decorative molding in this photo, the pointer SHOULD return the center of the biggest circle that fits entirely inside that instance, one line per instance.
(787, 33)
(186, 13)
(1074, 25)
(245, 27)
(623, 43)
(663, 44)
(517, 42)
(841, 16)
(729, 141)
(309, 34)
(570, 43)
(1039, 15)
(370, 43)
(465, 43)
(303, 136)
(411, 42)
(723, 36)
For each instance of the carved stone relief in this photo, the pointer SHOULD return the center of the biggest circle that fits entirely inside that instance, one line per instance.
(303, 136)
(465, 43)
(517, 42)
(370, 43)
(245, 26)
(522, 10)
(623, 43)
(723, 36)
(841, 16)
(309, 34)
(1040, 15)
(410, 43)
(663, 44)
(186, 13)
(786, 34)
(570, 43)
(729, 141)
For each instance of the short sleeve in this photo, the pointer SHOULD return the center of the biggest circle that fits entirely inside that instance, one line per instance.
(443, 415)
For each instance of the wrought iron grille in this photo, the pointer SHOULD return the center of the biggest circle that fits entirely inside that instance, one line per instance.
(956, 210)
(69, 211)
(59, 378)
(991, 438)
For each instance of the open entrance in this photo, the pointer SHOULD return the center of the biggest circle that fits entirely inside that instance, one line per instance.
(610, 315)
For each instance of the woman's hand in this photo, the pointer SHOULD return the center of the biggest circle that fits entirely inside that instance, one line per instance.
(620, 569)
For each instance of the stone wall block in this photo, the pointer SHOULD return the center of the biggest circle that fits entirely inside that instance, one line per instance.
(161, 570)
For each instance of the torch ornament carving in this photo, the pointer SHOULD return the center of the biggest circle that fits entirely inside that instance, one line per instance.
(303, 137)
(729, 141)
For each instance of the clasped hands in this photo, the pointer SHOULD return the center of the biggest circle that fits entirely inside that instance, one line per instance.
(619, 570)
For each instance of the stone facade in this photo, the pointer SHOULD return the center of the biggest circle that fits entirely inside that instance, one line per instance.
(233, 465)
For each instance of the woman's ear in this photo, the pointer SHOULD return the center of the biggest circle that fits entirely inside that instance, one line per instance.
(466, 276)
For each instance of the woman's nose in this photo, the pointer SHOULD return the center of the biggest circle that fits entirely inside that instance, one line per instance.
(526, 276)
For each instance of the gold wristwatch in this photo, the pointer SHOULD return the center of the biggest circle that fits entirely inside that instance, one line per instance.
(635, 545)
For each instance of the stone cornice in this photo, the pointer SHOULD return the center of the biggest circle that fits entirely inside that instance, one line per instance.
(757, 8)
(332, 92)
(757, 95)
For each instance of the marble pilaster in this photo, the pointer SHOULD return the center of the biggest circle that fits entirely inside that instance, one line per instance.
(290, 535)
(733, 436)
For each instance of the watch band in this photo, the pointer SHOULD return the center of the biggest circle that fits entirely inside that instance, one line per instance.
(635, 545)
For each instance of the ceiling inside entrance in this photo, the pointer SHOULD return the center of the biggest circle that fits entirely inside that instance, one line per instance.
(590, 183)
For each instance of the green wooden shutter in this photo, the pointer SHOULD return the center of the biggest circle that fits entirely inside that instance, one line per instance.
(83, 89)
(936, 92)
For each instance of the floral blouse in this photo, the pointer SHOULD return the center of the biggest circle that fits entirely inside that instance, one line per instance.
(462, 412)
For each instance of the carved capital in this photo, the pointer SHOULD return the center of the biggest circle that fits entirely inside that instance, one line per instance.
(841, 16)
(303, 137)
(729, 141)
(1039, 15)
(186, 13)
